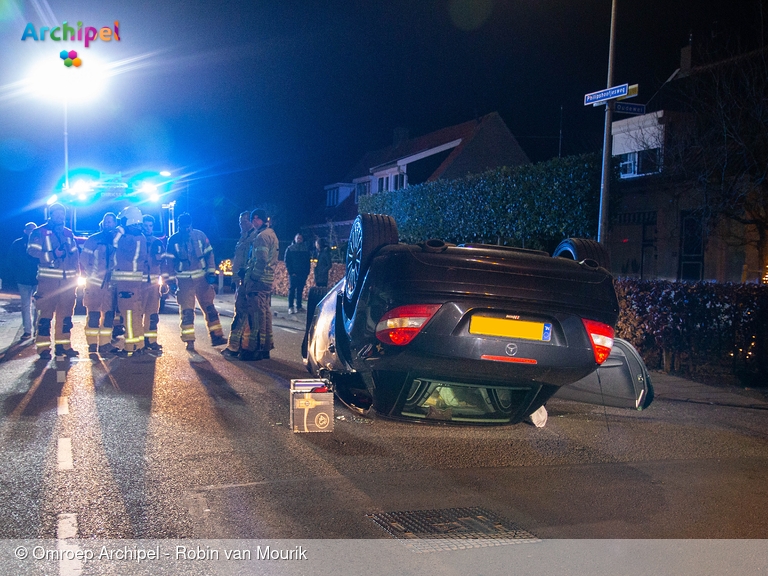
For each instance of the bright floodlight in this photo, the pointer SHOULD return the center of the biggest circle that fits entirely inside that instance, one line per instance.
(51, 199)
(81, 187)
(165, 173)
(148, 188)
(51, 80)
(154, 197)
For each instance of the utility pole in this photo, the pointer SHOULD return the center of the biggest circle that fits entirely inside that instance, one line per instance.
(605, 184)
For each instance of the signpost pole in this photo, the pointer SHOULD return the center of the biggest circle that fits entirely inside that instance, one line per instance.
(605, 184)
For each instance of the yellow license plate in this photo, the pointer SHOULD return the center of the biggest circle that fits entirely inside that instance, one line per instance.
(508, 328)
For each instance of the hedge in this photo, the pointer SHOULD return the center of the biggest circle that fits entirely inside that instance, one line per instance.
(534, 205)
(281, 283)
(697, 327)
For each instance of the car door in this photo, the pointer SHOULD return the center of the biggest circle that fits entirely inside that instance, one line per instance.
(622, 381)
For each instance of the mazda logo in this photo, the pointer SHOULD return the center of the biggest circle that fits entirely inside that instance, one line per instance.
(511, 349)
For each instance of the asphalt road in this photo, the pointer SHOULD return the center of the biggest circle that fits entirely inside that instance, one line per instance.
(197, 446)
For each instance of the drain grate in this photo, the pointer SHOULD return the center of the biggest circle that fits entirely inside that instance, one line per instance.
(451, 529)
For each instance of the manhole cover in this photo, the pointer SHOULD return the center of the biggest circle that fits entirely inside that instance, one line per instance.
(451, 529)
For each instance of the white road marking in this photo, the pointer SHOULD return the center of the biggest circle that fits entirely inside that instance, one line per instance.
(67, 526)
(65, 454)
(63, 408)
(287, 329)
(69, 565)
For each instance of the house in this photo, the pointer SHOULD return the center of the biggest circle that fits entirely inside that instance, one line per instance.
(449, 153)
(657, 228)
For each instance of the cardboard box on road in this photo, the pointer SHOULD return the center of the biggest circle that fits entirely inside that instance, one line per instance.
(311, 411)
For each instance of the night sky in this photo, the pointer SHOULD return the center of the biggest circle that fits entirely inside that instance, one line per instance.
(265, 102)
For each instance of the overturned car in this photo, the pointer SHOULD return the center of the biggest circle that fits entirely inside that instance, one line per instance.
(471, 333)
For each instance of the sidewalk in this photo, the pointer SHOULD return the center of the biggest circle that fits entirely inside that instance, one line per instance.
(666, 386)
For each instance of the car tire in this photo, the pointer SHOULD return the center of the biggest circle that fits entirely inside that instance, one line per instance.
(581, 249)
(369, 233)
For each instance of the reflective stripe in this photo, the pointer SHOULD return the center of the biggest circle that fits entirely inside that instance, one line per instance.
(188, 331)
(192, 274)
(136, 256)
(95, 281)
(214, 327)
(50, 272)
(129, 326)
(43, 344)
(128, 276)
(150, 334)
(92, 331)
(106, 332)
(37, 246)
(61, 341)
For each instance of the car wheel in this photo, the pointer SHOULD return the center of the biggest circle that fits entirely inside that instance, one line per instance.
(369, 233)
(581, 249)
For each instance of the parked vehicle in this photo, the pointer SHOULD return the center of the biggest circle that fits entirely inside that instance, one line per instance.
(465, 334)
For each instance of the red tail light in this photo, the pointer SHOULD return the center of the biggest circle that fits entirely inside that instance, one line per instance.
(400, 325)
(601, 338)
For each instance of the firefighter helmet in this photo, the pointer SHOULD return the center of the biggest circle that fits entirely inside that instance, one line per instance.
(132, 215)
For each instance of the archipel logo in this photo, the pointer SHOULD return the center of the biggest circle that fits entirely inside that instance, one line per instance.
(70, 58)
(67, 33)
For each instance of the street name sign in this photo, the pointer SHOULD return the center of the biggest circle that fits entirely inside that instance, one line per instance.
(632, 91)
(607, 94)
(624, 108)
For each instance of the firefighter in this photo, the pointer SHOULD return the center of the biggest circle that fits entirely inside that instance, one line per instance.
(240, 331)
(97, 262)
(259, 275)
(55, 247)
(194, 268)
(129, 276)
(151, 287)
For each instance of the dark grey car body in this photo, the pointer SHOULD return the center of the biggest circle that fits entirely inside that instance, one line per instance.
(447, 372)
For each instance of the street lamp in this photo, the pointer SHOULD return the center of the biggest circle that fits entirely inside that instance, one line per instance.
(51, 80)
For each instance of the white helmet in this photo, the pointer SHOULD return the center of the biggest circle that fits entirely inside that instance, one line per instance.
(132, 215)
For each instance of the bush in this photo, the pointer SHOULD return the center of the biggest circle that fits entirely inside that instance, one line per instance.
(281, 283)
(696, 327)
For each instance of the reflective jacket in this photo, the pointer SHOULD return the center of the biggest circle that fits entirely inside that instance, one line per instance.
(130, 255)
(43, 243)
(98, 257)
(156, 259)
(242, 248)
(262, 260)
(190, 256)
